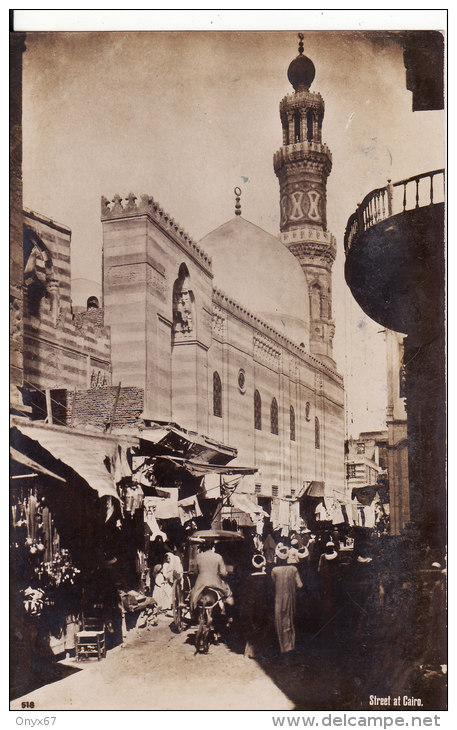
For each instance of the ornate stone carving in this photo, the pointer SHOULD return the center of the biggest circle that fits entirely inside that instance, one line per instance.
(319, 382)
(266, 352)
(183, 305)
(219, 323)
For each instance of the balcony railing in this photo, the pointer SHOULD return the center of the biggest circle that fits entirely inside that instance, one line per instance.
(415, 192)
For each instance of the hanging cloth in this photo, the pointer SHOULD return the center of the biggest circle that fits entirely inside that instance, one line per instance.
(370, 515)
(189, 509)
(294, 516)
(284, 512)
(321, 513)
(31, 516)
(274, 516)
(164, 509)
(151, 522)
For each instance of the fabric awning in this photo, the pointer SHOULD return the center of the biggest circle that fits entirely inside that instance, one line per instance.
(31, 464)
(85, 453)
(199, 469)
(188, 444)
(316, 489)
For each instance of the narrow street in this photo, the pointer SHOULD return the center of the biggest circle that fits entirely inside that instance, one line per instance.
(157, 669)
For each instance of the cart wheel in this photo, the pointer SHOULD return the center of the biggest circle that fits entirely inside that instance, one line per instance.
(177, 606)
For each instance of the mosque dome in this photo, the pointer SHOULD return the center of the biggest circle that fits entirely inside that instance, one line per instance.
(254, 268)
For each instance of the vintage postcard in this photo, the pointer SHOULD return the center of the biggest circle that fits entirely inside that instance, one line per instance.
(227, 369)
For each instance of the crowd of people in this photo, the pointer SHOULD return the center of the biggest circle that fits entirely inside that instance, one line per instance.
(345, 587)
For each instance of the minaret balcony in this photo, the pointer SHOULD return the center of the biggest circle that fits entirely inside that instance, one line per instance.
(394, 245)
(298, 151)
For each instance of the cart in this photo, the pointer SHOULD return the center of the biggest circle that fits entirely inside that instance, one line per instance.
(227, 542)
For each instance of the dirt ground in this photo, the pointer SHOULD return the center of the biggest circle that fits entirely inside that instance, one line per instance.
(158, 669)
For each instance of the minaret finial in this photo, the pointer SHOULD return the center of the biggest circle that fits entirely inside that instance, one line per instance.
(237, 192)
(300, 45)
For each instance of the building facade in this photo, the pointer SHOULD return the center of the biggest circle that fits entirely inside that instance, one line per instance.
(211, 333)
(205, 335)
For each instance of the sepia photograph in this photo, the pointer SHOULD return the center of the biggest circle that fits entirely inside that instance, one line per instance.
(228, 434)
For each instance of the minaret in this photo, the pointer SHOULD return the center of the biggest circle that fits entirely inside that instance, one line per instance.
(302, 166)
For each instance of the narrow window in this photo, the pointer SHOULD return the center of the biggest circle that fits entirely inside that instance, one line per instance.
(292, 424)
(309, 125)
(217, 395)
(297, 126)
(317, 433)
(274, 417)
(257, 411)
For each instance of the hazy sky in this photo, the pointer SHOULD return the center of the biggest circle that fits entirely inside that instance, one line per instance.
(187, 116)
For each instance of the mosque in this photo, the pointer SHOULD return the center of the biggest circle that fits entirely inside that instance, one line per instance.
(229, 337)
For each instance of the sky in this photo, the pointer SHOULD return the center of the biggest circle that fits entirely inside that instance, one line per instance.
(187, 116)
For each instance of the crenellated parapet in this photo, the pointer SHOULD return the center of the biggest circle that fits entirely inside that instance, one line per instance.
(128, 207)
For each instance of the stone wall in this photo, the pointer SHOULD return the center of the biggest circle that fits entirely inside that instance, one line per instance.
(95, 407)
(60, 351)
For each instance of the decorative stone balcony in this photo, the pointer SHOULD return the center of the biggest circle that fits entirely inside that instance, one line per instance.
(394, 245)
(299, 150)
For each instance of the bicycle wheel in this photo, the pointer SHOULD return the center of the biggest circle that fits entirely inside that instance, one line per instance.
(177, 606)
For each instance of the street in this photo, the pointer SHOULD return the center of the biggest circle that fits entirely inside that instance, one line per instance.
(159, 670)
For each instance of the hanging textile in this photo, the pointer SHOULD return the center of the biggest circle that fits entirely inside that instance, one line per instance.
(274, 516)
(133, 498)
(120, 466)
(284, 512)
(189, 509)
(31, 510)
(370, 515)
(294, 516)
(321, 513)
(151, 522)
(244, 503)
(211, 486)
(164, 509)
(259, 526)
(334, 510)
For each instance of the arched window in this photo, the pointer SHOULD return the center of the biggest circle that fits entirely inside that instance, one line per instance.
(274, 417)
(92, 303)
(297, 137)
(292, 424)
(217, 395)
(257, 411)
(309, 125)
(316, 312)
(308, 411)
(317, 433)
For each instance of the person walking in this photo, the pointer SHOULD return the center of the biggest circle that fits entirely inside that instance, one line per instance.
(329, 570)
(286, 581)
